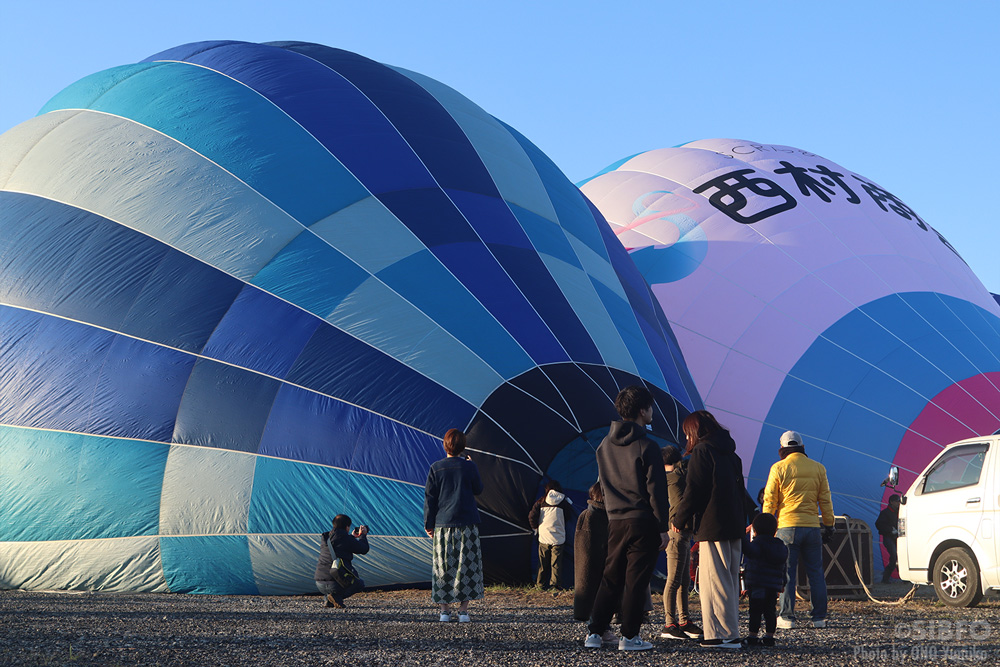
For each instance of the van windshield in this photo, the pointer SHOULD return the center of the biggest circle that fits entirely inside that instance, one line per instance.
(960, 467)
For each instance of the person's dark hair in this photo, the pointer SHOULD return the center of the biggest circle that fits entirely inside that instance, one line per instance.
(699, 425)
(765, 524)
(631, 401)
(760, 496)
(454, 442)
(894, 498)
(341, 521)
(671, 455)
(596, 492)
(787, 451)
(553, 485)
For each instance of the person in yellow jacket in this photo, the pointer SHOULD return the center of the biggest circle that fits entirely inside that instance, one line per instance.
(796, 486)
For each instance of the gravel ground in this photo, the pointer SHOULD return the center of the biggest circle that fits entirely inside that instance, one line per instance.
(510, 627)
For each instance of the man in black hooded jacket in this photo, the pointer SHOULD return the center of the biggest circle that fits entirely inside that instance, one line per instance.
(635, 497)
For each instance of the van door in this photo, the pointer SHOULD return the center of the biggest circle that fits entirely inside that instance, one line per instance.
(990, 531)
(951, 494)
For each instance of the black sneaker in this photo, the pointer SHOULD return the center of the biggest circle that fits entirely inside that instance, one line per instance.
(767, 641)
(672, 631)
(751, 640)
(692, 631)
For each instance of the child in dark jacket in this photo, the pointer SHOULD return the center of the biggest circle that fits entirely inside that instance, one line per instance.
(590, 550)
(764, 559)
(548, 518)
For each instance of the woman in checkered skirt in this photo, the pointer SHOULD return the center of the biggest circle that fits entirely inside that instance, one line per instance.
(451, 517)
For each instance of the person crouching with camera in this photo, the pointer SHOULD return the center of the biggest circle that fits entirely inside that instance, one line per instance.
(336, 577)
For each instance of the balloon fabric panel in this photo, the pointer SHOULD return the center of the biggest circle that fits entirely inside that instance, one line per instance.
(209, 564)
(335, 364)
(206, 491)
(261, 333)
(115, 486)
(395, 508)
(282, 162)
(75, 390)
(225, 407)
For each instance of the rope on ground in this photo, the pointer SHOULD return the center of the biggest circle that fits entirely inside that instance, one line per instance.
(901, 601)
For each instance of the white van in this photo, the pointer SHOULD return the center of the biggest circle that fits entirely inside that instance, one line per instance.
(948, 521)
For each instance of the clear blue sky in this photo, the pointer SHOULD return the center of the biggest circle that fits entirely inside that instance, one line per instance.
(904, 93)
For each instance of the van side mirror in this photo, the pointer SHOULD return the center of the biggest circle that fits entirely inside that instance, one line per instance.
(892, 479)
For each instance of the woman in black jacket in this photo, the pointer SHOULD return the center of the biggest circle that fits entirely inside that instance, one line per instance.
(713, 506)
(451, 518)
(339, 543)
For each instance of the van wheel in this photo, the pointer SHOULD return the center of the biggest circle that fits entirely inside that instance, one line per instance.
(956, 578)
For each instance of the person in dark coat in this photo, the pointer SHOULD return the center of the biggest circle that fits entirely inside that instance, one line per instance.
(887, 526)
(765, 575)
(677, 624)
(339, 543)
(635, 496)
(590, 551)
(451, 519)
(714, 506)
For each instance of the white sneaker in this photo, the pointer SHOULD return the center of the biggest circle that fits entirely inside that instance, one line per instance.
(634, 644)
(445, 618)
(786, 623)
(593, 641)
(463, 618)
(821, 623)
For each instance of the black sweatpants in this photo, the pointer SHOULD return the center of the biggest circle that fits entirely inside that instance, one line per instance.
(633, 547)
(763, 602)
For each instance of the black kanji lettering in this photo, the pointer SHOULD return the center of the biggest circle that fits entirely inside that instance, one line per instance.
(889, 202)
(730, 199)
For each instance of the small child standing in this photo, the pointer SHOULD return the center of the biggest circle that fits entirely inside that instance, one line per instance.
(764, 559)
(548, 518)
(590, 551)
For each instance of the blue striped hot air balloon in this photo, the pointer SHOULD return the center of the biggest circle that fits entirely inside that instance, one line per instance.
(244, 287)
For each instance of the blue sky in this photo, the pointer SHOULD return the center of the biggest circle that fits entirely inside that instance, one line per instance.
(905, 94)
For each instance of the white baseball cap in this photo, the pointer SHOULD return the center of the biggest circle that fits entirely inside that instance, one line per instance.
(791, 439)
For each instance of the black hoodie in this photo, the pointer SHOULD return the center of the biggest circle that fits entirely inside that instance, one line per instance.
(632, 475)
(714, 505)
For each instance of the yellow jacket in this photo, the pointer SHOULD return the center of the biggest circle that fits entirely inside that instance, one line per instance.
(795, 486)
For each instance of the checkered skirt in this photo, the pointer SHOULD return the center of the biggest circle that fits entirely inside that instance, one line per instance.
(457, 574)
